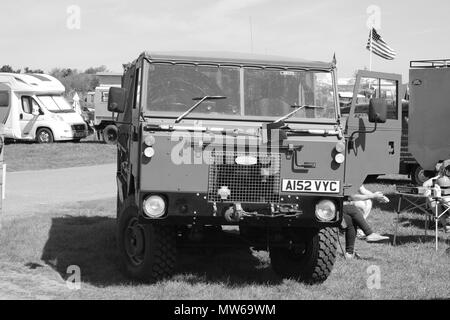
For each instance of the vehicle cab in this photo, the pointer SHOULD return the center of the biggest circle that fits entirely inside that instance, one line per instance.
(208, 139)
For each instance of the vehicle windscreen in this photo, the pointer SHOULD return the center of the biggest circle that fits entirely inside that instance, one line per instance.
(56, 104)
(252, 93)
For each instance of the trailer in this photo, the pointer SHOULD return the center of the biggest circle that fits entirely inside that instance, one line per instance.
(104, 123)
(429, 112)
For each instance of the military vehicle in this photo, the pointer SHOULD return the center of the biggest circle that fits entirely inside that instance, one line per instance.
(207, 140)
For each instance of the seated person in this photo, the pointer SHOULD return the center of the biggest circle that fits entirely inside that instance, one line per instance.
(354, 210)
(442, 180)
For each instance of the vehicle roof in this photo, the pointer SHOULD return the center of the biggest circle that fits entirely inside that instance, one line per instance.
(237, 59)
(39, 83)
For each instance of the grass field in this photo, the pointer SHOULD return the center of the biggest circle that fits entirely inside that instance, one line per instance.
(33, 156)
(36, 252)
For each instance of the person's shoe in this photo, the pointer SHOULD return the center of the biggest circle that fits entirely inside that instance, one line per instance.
(360, 234)
(375, 237)
(350, 256)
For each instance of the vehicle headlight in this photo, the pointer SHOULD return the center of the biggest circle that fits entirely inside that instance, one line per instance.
(325, 210)
(339, 158)
(149, 152)
(57, 117)
(154, 207)
(149, 140)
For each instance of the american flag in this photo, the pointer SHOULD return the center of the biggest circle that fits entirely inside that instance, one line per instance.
(379, 46)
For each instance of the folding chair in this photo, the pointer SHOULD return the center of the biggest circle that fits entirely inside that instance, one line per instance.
(419, 202)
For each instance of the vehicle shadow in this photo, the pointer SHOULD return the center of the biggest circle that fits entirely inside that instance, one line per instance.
(408, 239)
(90, 244)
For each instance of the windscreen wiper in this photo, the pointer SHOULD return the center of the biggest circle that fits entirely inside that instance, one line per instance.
(298, 108)
(200, 100)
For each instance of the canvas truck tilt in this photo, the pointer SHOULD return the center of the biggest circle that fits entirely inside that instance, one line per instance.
(207, 140)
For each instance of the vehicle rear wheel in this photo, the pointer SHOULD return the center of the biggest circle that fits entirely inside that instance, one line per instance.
(44, 135)
(110, 134)
(418, 175)
(148, 251)
(310, 260)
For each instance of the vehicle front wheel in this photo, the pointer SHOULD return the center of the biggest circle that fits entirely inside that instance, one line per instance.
(44, 135)
(110, 134)
(148, 251)
(310, 259)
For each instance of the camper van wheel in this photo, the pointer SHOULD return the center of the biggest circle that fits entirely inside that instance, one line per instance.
(110, 134)
(44, 135)
(310, 259)
(418, 175)
(148, 251)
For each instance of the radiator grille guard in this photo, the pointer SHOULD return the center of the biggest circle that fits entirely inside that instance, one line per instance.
(255, 183)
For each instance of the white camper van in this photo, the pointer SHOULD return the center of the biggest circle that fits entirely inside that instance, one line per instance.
(32, 107)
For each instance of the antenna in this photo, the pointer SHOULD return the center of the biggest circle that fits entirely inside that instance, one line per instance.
(251, 33)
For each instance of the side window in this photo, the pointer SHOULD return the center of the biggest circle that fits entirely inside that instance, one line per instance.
(137, 89)
(370, 88)
(4, 99)
(104, 97)
(388, 91)
(35, 107)
(26, 105)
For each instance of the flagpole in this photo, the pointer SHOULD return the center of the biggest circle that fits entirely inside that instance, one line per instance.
(370, 54)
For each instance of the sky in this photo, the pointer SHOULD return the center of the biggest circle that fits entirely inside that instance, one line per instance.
(46, 34)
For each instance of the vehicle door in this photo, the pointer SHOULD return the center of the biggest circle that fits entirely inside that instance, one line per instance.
(372, 149)
(29, 115)
(127, 124)
(5, 102)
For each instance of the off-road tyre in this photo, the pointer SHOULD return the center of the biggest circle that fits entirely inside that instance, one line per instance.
(152, 256)
(314, 263)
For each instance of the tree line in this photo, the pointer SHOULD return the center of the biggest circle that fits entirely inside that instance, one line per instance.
(74, 80)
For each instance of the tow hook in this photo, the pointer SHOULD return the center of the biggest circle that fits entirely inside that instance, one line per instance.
(234, 213)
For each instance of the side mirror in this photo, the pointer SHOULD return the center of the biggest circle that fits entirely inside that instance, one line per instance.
(116, 100)
(377, 110)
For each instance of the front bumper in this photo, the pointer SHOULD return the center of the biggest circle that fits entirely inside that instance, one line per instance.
(193, 208)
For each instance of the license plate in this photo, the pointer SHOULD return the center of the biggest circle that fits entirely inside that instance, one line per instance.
(316, 186)
(79, 134)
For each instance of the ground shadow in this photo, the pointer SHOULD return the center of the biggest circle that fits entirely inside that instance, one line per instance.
(90, 243)
(408, 239)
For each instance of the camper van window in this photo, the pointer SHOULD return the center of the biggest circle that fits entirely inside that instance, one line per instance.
(26, 105)
(56, 104)
(4, 99)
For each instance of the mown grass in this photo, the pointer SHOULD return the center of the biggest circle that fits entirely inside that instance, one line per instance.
(33, 156)
(37, 251)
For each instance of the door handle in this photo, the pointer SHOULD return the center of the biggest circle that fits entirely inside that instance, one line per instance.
(21, 116)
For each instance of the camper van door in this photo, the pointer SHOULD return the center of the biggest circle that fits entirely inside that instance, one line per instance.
(29, 115)
(5, 102)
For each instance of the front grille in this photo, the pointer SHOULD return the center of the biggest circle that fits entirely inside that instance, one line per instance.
(256, 183)
(78, 127)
